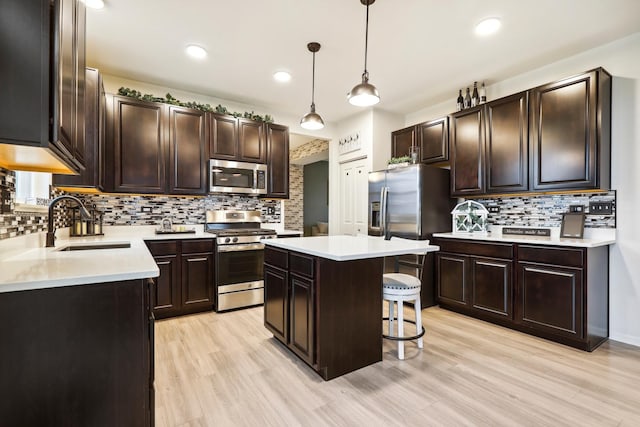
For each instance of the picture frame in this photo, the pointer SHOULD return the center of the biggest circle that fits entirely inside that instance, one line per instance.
(572, 226)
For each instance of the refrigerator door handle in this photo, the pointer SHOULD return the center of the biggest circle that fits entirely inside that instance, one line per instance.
(383, 210)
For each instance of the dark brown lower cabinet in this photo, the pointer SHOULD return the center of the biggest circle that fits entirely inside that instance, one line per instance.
(185, 284)
(452, 278)
(492, 286)
(476, 284)
(551, 298)
(558, 293)
(77, 356)
(328, 313)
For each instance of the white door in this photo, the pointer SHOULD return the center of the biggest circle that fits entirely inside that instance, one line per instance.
(353, 197)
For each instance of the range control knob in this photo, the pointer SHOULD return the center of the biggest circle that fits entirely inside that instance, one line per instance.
(235, 239)
(261, 237)
(227, 240)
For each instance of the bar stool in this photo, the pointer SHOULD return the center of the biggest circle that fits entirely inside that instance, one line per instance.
(396, 289)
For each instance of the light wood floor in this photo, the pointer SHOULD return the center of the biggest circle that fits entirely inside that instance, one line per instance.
(227, 370)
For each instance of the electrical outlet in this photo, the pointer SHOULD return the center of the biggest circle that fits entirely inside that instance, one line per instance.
(145, 209)
(494, 209)
(601, 208)
(576, 208)
(271, 210)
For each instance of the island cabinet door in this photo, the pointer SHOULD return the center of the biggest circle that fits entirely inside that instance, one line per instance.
(301, 325)
(276, 307)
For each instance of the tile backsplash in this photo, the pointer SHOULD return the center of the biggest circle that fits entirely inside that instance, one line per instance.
(526, 210)
(546, 210)
(150, 210)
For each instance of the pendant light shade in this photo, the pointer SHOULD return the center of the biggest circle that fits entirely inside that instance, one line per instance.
(364, 94)
(312, 120)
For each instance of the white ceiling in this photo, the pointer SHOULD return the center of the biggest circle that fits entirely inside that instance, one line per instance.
(420, 51)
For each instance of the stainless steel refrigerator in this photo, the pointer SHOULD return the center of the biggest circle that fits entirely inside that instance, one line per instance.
(412, 202)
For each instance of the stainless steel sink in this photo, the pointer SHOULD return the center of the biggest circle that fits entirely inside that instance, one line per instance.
(95, 246)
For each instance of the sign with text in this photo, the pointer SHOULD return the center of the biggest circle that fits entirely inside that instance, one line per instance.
(544, 232)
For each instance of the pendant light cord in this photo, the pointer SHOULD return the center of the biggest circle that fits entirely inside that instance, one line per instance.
(313, 81)
(366, 41)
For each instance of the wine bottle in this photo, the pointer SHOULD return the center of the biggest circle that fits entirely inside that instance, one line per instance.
(483, 94)
(475, 98)
(467, 99)
(460, 101)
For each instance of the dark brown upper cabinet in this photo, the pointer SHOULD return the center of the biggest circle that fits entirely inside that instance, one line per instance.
(278, 161)
(507, 137)
(90, 179)
(187, 151)
(467, 152)
(402, 140)
(137, 149)
(433, 140)
(80, 63)
(224, 137)
(237, 139)
(251, 141)
(156, 148)
(571, 133)
(43, 92)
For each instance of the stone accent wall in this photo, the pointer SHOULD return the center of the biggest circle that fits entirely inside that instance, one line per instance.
(312, 147)
(294, 207)
(547, 210)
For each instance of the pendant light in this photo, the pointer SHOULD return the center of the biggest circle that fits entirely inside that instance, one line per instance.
(365, 94)
(312, 120)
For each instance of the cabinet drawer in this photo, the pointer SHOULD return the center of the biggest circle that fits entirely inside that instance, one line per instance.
(301, 264)
(276, 257)
(197, 246)
(162, 247)
(551, 255)
(467, 247)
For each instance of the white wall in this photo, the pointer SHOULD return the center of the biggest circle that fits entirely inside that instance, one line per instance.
(361, 123)
(622, 59)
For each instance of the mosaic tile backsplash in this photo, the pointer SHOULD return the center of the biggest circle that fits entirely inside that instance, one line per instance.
(529, 210)
(150, 210)
(547, 210)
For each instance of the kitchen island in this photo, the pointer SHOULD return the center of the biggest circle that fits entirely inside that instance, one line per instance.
(323, 297)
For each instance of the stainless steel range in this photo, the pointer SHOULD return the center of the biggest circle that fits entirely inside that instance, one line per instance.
(239, 279)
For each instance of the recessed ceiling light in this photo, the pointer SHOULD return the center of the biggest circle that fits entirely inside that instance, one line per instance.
(195, 51)
(488, 26)
(281, 76)
(94, 4)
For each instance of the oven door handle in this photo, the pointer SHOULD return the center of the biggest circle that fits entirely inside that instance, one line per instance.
(241, 247)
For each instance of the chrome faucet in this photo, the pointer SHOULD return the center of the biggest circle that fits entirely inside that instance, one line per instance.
(51, 231)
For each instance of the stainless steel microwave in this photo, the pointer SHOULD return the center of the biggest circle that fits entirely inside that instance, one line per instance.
(227, 176)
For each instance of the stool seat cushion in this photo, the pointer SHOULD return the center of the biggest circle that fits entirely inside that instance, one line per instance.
(400, 281)
(400, 284)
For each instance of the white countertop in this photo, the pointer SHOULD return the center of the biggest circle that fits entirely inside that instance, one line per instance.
(26, 264)
(592, 238)
(345, 248)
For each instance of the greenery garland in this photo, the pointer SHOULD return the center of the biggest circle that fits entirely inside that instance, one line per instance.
(168, 99)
